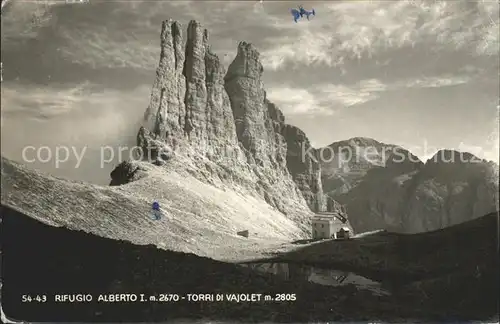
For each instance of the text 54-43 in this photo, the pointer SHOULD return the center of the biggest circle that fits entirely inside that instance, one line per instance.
(33, 298)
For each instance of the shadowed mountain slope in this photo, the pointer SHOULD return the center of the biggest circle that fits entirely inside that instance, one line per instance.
(386, 187)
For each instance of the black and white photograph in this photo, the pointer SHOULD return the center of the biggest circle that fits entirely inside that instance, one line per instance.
(203, 161)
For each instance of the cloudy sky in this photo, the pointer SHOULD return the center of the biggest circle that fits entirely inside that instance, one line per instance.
(422, 74)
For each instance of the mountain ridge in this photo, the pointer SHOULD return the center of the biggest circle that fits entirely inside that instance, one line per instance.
(385, 186)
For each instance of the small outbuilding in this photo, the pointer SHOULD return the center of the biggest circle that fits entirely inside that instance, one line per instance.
(343, 233)
(330, 225)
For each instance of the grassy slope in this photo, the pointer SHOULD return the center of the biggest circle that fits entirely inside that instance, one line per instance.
(199, 218)
(454, 270)
(56, 260)
(408, 257)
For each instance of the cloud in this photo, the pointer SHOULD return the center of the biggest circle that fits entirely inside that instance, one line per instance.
(24, 19)
(371, 89)
(42, 103)
(325, 100)
(354, 30)
(350, 95)
(295, 101)
(309, 48)
(75, 117)
(433, 82)
(101, 49)
(78, 114)
(329, 98)
(127, 34)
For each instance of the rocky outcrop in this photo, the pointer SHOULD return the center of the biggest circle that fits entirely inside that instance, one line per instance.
(261, 128)
(396, 191)
(303, 163)
(221, 128)
(451, 188)
(345, 163)
(378, 194)
(254, 127)
(127, 172)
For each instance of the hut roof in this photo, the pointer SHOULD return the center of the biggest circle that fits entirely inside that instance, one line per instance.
(331, 215)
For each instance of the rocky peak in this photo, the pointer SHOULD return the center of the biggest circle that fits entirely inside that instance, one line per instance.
(196, 49)
(255, 128)
(363, 141)
(246, 63)
(221, 127)
(166, 110)
(359, 141)
(345, 163)
(446, 156)
(402, 158)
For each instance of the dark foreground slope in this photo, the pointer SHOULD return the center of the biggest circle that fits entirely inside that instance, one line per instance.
(453, 269)
(40, 259)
